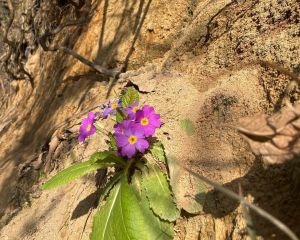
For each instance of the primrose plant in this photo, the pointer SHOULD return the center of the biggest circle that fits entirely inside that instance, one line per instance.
(137, 201)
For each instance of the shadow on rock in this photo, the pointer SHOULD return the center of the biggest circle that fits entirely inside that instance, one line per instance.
(266, 186)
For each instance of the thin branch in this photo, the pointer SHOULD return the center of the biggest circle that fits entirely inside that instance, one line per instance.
(85, 222)
(80, 21)
(255, 208)
(84, 19)
(108, 72)
(249, 223)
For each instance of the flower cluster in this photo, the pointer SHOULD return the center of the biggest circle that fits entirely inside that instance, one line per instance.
(111, 109)
(132, 132)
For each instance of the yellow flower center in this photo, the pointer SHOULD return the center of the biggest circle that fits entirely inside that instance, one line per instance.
(114, 106)
(88, 128)
(144, 121)
(135, 109)
(132, 139)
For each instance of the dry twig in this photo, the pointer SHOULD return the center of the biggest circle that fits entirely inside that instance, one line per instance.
(82, 20)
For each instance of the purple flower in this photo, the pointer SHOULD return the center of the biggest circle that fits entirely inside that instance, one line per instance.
(148, 120)
(87, 127)
(111, 109)
(120, 127)
(132, 140)
(131, 110)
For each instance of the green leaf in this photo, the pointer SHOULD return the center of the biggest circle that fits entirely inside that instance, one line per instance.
(112, 141)
(99, 156)
(188, 126)
(130, 97)
(120, 115)
(158, 151)
(127, 217)
(159, 194)
(98, 160)
(71, 173)
(108, 157)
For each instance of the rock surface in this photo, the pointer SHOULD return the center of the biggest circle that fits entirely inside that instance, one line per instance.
(211, 61)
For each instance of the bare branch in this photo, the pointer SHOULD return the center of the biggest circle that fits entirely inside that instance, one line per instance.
(108, 72)
(84, 19)
(247, 217)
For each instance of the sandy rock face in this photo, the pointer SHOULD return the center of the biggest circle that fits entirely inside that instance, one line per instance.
(211, 62)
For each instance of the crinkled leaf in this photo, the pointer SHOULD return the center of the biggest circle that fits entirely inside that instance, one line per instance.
(188, 126)
(157, 150)
(159, 194)
(130, 97)
(119, 117)
(98, 160)
(100, 156)
(126, 216)
(189, 191)
(112, 141)
(108, 157)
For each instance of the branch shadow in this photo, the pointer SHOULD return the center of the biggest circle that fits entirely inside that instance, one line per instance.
(130, 25)
(85, 205)
(266, 186)
(91, 201)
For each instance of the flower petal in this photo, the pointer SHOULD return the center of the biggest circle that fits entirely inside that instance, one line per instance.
(81, 138)
(105, 113)
(85, 121)
(122, 140)
(128, 150)
(142, 145)
(91, 116)
(93, 130)
(149, 130)
(155, 122)
(138, 131)
(148, 110)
